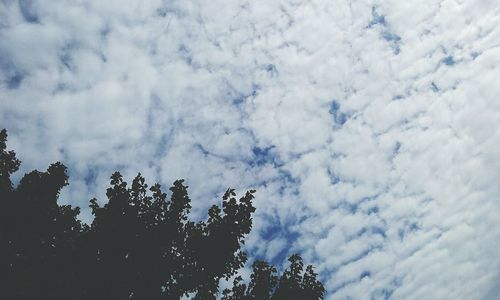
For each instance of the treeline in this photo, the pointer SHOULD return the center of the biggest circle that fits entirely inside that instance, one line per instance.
(140, 245)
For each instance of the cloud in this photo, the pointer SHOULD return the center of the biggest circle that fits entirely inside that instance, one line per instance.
(369, 128)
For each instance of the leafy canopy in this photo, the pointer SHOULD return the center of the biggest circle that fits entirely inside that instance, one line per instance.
(141, 244)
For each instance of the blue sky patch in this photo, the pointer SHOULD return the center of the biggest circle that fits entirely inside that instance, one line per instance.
(386, 33)
(376, 19)
(202, 149)
(364, 253)
(66, 57)
(11, 76)
(375, 230)
(262, 156)
(393, 39)
(339, 118)
(15, 80)
(90, 177)
(275, 230)
(334, 178)
(382, 294)
(373, 210)
(407, 229)
(28, 11)
(240, 98)
(186, 54)
(390, 37)
(397, 147)
(271, 69)
(449, 61)
(434, 87)
(364, 274)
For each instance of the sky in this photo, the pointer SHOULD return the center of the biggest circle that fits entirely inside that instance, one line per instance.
(370, 129)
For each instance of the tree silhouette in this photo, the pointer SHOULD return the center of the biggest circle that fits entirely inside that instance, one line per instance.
(141, 244)
(265, 285)
(39, 239)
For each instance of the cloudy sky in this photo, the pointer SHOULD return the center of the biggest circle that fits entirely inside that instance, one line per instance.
(368, 128)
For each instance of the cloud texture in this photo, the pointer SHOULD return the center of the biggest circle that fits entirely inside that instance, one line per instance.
(368, 128)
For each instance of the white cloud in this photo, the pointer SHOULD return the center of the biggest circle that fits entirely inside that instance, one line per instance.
(369, 128)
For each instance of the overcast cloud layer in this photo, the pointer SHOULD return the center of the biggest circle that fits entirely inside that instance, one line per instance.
(370, 129)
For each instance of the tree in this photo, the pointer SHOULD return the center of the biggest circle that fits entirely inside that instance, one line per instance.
(265, 285)
(140, 245)
(39, 239)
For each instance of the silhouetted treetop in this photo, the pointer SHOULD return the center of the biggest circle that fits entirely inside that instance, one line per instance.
(141, 244)
(8, 162)
(265, 285)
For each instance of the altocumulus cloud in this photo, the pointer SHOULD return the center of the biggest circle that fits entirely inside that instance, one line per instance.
(369, 128)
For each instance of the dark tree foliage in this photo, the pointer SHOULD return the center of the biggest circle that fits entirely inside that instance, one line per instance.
(265, 285)
(140, 245)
